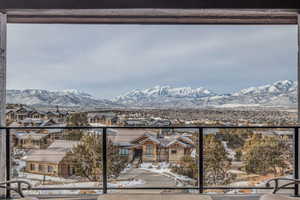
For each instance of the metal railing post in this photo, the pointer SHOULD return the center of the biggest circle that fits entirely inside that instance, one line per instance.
(296, 159)
(200, 161)
(8, 161)
(104, 160)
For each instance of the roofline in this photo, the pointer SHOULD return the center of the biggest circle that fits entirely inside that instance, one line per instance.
(169, 4)
(153, 16)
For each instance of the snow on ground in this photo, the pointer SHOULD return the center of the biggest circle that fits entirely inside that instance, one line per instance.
(20, 165)
(29, 176)
(126, 169)
(118, 184)
(164, 169)
(133, 182)
(228, 150)
(234, 171)
(193, 154)
(97, 124)
(240, 184)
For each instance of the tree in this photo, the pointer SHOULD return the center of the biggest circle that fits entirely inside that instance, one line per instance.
(88, 162)
(216, 161)
(263, 155)
(76, 120)
(188, 167)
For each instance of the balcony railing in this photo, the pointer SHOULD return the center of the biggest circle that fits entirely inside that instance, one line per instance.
(200, 159)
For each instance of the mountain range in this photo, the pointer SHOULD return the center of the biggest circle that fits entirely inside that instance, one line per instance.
(65, 98)
(280, 93)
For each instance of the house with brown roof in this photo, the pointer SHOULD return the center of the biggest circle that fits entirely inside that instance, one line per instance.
(146, 146)
(56, 160)
(154, 147)
(108, 118)
(31, 140)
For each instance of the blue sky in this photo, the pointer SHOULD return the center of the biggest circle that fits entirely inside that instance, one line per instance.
(108, 60)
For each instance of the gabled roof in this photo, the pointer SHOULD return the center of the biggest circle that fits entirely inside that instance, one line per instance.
(31, 135)
(10, 110)
(179, 142)
(165, 141)
(46, 155)
(25, 108)
(125, 136)
(48, 122)
(151, 138)
(63, 144)
(38, 112)
(53, 154)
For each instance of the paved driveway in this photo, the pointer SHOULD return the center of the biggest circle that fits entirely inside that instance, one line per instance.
(150, 179)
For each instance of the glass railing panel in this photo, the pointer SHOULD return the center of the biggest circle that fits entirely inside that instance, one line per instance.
(58, 158)
(152, 158)
(247, 158)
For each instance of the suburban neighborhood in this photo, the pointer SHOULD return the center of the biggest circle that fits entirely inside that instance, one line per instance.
(141, 157)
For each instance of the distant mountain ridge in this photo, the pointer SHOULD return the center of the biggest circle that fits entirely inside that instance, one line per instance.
(280, 93)
(67, 98)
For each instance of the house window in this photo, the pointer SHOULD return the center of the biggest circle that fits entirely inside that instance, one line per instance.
(173, 151)
(50, 169)
(32, 167)
(41, 168)
(123, 152)
(149, 149)
(71, 170)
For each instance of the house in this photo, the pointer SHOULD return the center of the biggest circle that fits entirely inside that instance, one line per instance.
(159, 148)
(10, 115)
(31, 122)
(31, 140)
(57, 115)
(122, 138)
(22, 113)
(148, 146)
(56, 160)
(134, 122)
(55, 133)
(37, 114)
(108, 118)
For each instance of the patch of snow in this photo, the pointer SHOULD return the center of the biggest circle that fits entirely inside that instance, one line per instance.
(229, 151)
(164, 169)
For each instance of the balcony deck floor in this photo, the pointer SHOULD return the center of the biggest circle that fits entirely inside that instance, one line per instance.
(214, 197)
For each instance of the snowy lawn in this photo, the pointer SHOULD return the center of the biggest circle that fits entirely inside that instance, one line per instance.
(164, 168)
(117, 184)
(29, 176)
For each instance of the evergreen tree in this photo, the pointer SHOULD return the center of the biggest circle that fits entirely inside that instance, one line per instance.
(264, 155)
(88, 161)
(216, 161)
(74, 120)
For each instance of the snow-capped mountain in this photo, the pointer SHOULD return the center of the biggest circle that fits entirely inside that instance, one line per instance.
(280, 93)
(163, 96)
(53, 98)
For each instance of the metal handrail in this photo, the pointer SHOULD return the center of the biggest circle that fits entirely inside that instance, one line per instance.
(148, 127)
(200, 187)
(277, 187)
(19, 189)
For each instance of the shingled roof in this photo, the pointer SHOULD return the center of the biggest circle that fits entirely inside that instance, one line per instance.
(54, 154)
(46, 155)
